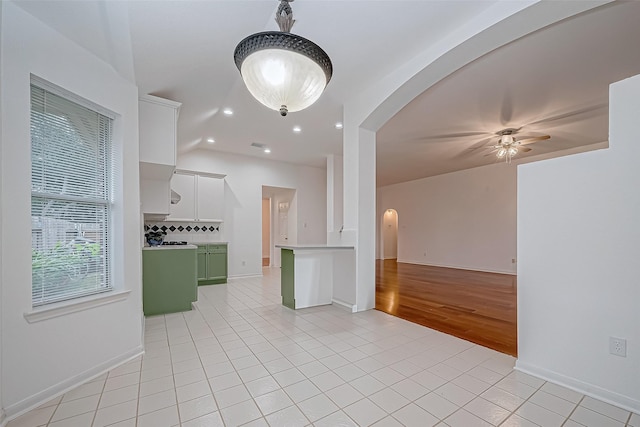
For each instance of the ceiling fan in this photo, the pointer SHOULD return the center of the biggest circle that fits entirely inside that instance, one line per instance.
(508, 145)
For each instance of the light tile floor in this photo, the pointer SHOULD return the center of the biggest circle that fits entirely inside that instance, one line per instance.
(241, 358)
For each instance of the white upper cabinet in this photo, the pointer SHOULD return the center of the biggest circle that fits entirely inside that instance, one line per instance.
(158, 134)
(210, 198)
(202, 197)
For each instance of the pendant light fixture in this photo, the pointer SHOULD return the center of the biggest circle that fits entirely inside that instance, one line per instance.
(284, 71)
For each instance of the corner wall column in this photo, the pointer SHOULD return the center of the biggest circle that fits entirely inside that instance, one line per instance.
(360, 208)
(334, 198)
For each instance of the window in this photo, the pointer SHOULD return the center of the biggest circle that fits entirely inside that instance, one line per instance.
(70, 197)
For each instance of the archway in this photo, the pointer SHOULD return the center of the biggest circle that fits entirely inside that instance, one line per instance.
(390, 234)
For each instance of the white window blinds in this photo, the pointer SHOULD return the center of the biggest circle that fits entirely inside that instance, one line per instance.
(70, 198)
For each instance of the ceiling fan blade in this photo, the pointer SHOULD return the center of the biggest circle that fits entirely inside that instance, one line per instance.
(506, 110)
(534, 139)
(580, 114)
(452, 135)
(526, 149)
(480, 144)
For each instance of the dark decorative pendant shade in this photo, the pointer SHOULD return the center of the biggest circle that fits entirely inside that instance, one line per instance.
(283, 71)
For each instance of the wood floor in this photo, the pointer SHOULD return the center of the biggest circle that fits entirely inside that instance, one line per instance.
(265, 262)
(476, 306)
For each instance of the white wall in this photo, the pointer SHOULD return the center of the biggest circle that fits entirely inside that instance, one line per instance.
(578, 283)
(243, 198)
(2, 416)
(42, 359)
(266, 228)
(335, 172)
(464, 219)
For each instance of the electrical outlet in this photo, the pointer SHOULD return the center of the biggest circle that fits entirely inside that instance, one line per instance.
(618, 346)
(513, 260)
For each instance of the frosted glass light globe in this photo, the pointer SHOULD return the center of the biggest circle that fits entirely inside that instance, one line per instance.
(279, 78)
(284, 71)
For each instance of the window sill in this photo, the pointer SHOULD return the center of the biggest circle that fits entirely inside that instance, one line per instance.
(81, 304)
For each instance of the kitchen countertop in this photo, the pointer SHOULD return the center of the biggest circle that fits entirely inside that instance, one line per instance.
(209, 243)
(163, 247)
(313, 247)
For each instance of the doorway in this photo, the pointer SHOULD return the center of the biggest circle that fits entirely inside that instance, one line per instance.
(266, 232)
(282, 221)
(390, 234)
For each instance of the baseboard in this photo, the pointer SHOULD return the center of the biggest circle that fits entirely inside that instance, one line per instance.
(351, 307)
(457, 267)
(62, 387)
(212, 282)
(588, 389)
(244, 276)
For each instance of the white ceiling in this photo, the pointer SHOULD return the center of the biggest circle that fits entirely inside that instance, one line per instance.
(554, 81)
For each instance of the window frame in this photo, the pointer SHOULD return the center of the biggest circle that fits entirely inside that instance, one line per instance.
(104, 291)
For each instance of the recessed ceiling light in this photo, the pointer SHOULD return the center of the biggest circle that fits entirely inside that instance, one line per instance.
(211, 140)
(228, 112)
(267, 150)
(297, 129)
(339, 125)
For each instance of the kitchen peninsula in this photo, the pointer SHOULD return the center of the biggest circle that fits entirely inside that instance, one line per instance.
(314, 275)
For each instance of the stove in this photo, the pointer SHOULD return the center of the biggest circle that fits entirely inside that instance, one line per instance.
(174, 243)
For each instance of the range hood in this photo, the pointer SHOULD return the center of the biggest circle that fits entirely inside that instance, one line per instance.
(175, 197)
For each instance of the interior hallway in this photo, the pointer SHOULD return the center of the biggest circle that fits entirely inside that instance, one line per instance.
(241, 358)
(473, 305)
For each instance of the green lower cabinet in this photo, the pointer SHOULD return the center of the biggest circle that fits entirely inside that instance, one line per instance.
(169, 280)
(202, 263)
(287, 282)
(212, 264)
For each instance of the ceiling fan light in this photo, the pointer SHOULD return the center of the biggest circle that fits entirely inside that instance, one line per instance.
(501, 152)
(507, 139)
(512, 151)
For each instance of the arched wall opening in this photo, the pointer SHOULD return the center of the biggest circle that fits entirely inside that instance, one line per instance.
(389, 234)
(365, 114)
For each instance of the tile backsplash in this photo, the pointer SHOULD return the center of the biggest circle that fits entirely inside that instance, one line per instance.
(192, 232)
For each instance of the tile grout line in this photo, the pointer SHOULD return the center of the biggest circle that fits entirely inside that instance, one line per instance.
(572, 411)
(95, 413)
(524, 400)
(219, 410)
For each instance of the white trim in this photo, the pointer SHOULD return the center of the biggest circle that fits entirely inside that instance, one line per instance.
(168, 220)
(62, 387)
(60, 91)
(585, 388)
(244, 276)
(51, 311)
(3, 418)
(209, 174)
(160, 101)
(485, 270)
(351, 307)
